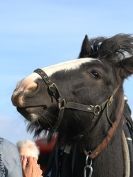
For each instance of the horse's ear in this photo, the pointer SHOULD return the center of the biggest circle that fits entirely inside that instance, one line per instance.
(85, 48)
(126, 67)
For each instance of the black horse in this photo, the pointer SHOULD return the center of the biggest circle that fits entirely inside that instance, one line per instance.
(83, 100)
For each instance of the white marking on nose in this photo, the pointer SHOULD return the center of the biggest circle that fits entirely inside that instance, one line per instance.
(68, 65)
(26, 85)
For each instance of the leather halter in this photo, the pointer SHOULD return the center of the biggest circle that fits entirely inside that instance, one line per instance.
(53, 91)
(95, 109)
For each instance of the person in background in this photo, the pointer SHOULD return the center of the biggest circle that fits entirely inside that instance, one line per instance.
(30, 168)
(10, 162)
(10, 165)
(28, 148)
(29, 156)
(40, 149)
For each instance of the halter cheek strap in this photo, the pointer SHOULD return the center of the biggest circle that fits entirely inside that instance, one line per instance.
(52, 88)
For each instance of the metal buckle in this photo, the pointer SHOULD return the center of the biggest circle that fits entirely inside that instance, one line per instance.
(53, 90)
(110, 100)
(97, 110)
(51, 86)
(61, 103)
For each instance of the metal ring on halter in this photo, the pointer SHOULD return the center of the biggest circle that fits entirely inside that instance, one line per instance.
(97, 110)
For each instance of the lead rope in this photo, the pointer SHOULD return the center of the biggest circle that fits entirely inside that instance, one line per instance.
(126, 155)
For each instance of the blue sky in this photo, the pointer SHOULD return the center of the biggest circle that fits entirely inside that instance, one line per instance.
(37, 33)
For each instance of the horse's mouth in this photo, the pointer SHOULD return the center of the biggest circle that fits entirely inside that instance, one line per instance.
(40, 115)
(32, 113)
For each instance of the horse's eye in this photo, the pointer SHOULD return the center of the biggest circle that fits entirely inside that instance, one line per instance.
(95, 74)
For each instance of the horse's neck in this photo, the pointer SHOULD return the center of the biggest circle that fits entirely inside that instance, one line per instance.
(110, 161)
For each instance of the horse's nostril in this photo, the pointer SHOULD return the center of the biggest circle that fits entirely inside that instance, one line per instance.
(32, 87)
(26, 88)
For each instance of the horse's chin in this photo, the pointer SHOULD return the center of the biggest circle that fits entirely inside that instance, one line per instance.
(39, 115)
(31, 113)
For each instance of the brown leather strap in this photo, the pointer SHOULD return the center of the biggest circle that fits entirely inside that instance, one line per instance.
(93, 154)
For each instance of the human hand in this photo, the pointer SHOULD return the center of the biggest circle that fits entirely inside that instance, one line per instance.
(30, 168)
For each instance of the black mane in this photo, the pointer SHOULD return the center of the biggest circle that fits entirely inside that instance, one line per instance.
(114, 49)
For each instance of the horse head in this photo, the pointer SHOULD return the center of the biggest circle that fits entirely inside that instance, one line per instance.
(94, 81)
